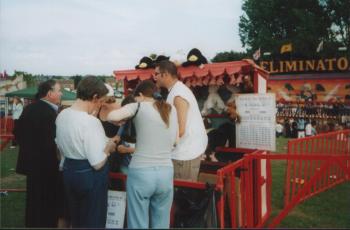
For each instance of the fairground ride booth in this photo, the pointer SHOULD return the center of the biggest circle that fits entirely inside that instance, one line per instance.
(211, 202)
(316, 89)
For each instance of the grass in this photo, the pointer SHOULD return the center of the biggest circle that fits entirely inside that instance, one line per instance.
(330, 209)
(12, 205)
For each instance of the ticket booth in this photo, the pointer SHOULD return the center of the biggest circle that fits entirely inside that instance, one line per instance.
(228, 80)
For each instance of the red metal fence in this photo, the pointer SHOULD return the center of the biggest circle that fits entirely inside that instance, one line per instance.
(313, 165)
(300, 171)
(245, 188)
(6, 125)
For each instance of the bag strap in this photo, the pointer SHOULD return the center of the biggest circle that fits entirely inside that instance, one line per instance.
(137, 110)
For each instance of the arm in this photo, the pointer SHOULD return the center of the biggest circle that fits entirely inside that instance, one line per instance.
(95, 143)
(125, 150)
(181, 106)
(123, 113)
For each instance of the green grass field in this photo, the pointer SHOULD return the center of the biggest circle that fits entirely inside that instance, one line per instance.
(330, 209)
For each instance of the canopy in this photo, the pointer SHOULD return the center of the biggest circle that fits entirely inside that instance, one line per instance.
(31, 91)
(212, 70)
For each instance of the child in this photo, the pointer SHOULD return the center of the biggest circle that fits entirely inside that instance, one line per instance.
(125, 148)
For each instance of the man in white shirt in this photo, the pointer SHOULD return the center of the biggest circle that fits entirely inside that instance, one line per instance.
(193, 139)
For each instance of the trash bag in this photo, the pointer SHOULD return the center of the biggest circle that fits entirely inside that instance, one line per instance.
(194, 208)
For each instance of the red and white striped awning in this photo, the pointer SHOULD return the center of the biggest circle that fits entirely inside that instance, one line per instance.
(212, 70)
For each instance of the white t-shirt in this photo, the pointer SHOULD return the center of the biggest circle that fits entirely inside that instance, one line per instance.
(80, 136)
(308, 129)
(154, 140)
(194, 141)
(17, 111)
(279, 128)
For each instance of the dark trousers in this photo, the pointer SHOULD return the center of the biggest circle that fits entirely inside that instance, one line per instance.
(41, 200)
(15, 127)
(86, 191)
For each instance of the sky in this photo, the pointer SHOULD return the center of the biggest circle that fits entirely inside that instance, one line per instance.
(68, 37)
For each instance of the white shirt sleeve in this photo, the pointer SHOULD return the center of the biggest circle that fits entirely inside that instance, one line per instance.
(94, 142)
(124, 112)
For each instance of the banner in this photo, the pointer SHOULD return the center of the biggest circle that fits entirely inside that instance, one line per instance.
(257, 129)
(116, 209)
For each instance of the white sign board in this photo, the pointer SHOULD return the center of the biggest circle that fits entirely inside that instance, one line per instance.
(116, 209)
(257, 129)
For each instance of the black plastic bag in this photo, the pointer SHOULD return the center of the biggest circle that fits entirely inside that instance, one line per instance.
(194, 208)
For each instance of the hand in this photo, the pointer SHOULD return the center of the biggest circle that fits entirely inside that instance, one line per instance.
(110, 147)
(116, 139)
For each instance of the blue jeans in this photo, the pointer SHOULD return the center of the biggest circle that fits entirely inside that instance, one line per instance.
(86, 190)
(149, 197)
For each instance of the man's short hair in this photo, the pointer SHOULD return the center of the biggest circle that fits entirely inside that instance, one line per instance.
(44, 88)
(167, 66)
(90, 86)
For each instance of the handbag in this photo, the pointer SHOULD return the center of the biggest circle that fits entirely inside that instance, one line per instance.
(129, 132)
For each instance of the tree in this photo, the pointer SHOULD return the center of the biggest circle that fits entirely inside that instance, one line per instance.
(268, 24)
(339, 13)
(28, 78)
(229, 56)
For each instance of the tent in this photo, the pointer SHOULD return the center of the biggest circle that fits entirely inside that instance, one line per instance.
(30, 92)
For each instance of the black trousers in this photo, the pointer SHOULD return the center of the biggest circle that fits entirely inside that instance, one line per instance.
(41, 200)
(15, 127)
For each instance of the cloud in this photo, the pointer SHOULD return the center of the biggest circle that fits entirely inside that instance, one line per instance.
(86, 36)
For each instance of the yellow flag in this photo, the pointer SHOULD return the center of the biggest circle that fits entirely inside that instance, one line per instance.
(286, 48)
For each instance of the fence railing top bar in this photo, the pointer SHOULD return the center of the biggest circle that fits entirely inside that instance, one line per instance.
(321, 135)
(301, 156)
(230, 167)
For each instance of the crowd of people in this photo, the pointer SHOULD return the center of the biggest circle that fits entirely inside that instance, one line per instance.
(295, 120)
(314, 110)
(66, 154)
(301, 127)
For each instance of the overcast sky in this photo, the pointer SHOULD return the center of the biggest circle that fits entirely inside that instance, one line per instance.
(66, 37)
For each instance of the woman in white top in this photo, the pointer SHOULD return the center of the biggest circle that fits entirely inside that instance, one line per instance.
(150, 176)
(81, 139)
(17, 109)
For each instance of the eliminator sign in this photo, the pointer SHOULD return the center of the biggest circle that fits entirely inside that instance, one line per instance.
(319, 65)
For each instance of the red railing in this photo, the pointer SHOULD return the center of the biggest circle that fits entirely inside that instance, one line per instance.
(328, 163)
(299, 171)
(245, 187)
(6, 125)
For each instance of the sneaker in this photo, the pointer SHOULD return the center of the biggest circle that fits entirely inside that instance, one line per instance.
(12, 147)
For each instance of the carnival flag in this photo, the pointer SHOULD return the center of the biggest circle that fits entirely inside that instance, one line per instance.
(319, 47)
(257, 54)
(286, 48)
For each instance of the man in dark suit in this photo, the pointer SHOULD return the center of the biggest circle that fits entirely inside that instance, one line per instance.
(38, 158)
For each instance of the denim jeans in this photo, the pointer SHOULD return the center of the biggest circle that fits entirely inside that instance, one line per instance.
(86, 190)
(149, 197)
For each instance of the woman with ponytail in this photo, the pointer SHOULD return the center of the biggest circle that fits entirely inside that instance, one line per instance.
(150, 176)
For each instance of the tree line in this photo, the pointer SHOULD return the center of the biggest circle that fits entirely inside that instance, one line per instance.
(306, 24)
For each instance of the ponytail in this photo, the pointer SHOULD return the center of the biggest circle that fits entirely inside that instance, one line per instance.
(149, 89)
(163, 108)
